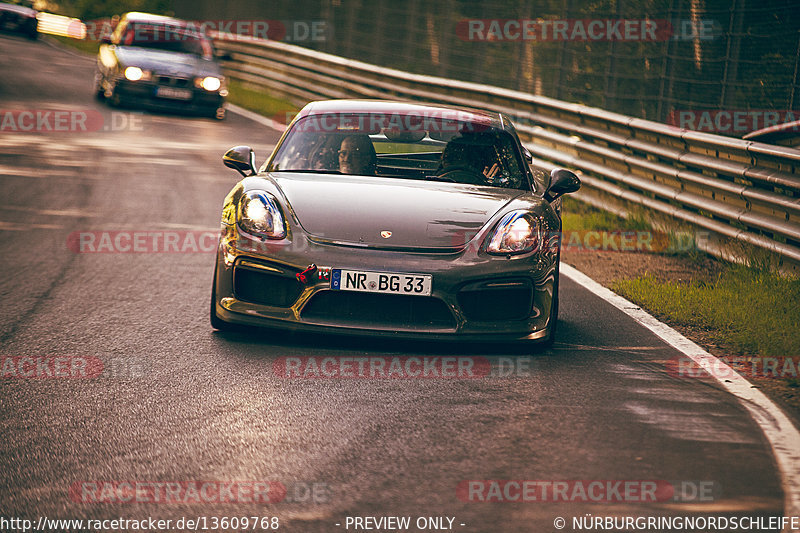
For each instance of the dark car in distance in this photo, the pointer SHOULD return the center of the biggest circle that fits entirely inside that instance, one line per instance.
(160, 63)
(389, 218)
(19, 19)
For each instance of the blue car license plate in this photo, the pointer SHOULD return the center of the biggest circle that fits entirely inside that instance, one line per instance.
(173, 93)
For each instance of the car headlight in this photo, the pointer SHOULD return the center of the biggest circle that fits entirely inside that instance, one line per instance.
(136, 74)
(209, 83)
(518, 232)
(259, 216)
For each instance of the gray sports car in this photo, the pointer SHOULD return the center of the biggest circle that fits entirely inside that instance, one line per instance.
(387, 218)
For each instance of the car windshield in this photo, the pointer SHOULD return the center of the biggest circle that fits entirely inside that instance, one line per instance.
(439, 147)
(166, 37)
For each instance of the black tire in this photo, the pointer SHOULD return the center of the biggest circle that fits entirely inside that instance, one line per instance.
(99, 93)
(113, 99)
(551, 335)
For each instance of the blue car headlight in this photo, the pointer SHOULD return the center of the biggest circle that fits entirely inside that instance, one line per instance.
(518, 232)
(259, 216)
(137, 74)
(209, 83)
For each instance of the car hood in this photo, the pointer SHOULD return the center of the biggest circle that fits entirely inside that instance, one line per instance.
(419, 214)
(166, 63)
(21, 10)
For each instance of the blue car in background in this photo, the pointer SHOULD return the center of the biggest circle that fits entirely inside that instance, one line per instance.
(161, 63)
(19, 19)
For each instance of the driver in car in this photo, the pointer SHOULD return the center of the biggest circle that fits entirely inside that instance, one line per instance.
(471, 154)
(357, 156)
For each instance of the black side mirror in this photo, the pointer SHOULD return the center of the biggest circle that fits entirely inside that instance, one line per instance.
(242, 159)
(223, 55)
(562, 181)
(527, 154)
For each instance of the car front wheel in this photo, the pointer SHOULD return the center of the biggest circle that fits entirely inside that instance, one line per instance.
(553, 321)
(99, 92)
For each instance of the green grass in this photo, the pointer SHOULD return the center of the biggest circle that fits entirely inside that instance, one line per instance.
(260, 102)
(578, 216)
(753, 309)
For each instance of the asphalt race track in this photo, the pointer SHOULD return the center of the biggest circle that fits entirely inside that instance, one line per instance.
(178, 402)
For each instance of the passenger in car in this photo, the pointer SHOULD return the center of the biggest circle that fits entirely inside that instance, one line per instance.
(357, 156)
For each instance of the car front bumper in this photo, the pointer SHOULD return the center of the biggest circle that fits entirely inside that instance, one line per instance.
(143, 94)
(474, 296)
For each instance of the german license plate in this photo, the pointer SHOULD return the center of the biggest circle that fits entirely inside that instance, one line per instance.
(381, 282)
(172, 92)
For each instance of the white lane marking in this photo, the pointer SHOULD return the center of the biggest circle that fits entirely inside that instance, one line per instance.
(268, 122)
(778, 429)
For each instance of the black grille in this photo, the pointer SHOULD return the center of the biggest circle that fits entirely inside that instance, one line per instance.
(170, 81)
(264, 288)
(386, 310)
(495, 300)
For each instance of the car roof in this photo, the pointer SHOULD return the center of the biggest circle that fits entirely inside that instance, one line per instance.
(386, 106)
(136, 16)
(23, 10)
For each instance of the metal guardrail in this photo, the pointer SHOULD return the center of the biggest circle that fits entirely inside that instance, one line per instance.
(735, 191)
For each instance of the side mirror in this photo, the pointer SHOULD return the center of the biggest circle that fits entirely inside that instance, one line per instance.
(562, 181)
(242, 159)
(106, 39)
(223, 55)
(527, 154)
